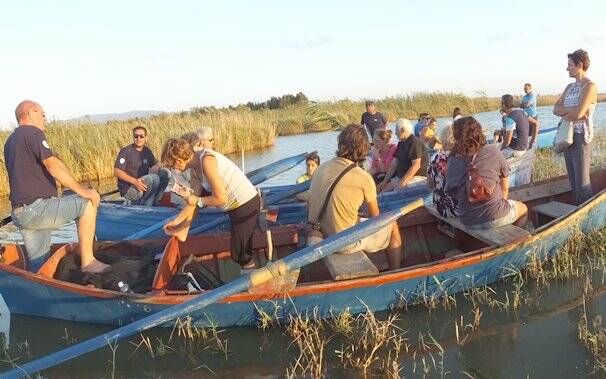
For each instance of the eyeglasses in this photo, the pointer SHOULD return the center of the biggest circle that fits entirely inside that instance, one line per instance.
(139, 136)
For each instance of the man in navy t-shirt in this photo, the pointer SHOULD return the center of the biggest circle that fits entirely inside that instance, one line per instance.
(140, 179)
(372, 119)
(36, 209)
(516, 120)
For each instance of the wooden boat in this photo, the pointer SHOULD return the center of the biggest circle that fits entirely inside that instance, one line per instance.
(439, 258)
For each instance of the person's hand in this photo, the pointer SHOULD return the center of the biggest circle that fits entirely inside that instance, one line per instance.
(140, 185)
(401, 185)
(380, 186)
(92, 195)
(181, 190)
(177, 228)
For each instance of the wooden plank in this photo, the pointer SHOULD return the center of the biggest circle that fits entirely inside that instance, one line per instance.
(498, 236)
(350, 266)
(554, 209)
(540, 190)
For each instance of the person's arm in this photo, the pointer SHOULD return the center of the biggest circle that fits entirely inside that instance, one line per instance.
(392, 170)
(373, 208)
(505, 186)
(218, 196)
(534, 131)
(558, 107)
(58, 170)
(507, 139)
(588, 97)
(412, 171)
(137, 182)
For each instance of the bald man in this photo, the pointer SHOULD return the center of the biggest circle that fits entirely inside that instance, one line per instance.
(32, 172)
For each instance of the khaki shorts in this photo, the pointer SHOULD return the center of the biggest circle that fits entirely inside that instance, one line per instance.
(371, 244)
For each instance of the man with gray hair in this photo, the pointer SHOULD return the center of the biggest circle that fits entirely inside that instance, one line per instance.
(410, 165)
(33, 170)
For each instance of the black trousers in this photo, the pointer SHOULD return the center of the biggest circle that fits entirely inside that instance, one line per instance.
(243, 221)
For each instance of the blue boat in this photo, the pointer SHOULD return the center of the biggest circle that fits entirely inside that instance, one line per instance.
(440, 257)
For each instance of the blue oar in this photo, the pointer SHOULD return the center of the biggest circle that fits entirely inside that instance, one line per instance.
(281, 267)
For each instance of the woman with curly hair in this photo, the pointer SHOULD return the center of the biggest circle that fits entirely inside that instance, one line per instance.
(470, 151)
(229, 189)
(354, 186)
(576, 105)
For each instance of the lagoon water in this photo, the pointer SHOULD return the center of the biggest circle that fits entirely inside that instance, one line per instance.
(540, 339)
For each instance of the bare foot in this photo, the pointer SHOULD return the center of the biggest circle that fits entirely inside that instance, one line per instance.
(96, 267)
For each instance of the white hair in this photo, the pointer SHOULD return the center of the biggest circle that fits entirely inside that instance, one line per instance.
(403, 124)
(205, 133)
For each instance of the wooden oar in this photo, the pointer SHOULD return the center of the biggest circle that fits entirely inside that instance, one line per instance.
(281, 267)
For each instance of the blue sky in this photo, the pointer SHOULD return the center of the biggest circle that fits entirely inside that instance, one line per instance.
(80, 57)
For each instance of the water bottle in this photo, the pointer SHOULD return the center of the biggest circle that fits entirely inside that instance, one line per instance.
(123, 287)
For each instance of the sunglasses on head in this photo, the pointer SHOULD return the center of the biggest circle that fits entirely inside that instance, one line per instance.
(138, 135)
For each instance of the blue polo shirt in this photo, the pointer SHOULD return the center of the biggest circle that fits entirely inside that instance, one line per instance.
(531, 101)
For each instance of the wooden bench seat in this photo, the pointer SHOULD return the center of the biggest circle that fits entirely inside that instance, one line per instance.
(554, 209)
(498, 236)
(350, 266)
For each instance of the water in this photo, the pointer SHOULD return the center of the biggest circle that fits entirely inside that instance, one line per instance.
(538, 340)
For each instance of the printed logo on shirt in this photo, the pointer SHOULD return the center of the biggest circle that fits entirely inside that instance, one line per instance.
(145, 161)
(45, 144)
(122, 160)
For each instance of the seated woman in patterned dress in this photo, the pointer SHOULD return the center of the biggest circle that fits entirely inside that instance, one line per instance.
(445, 204)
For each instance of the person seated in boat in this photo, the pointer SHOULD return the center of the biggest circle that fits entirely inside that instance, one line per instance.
(353, 189)
(428, 135)
(446, 205)
(33, 170)
(410, 163)
(384, 151)
(372, 119)
(140, 179)
(421, 123)
(456, 113)
(229, 189)
(529, 105)
(311, 163)
(487, 206)
(516, 121)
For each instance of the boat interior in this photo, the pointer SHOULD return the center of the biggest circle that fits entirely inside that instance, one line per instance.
(204, 262)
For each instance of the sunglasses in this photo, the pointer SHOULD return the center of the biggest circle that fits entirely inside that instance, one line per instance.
(138, 135)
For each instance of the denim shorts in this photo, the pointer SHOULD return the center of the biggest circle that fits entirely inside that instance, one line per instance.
(509, 218)
(36, 222)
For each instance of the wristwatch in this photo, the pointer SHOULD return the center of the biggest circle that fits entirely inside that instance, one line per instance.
(200, 202)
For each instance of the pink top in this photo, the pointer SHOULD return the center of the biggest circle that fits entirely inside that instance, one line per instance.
(385, 158)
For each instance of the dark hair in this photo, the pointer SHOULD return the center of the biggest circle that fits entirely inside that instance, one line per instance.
(383, 134)
(139, 127)
(353, 143)
(456, 112)
(313, 157)
(432, 120)
(369, 103)
(175, 149)
(528, 84)
(580, 57)
(468, 135)
(421, 115)
(507, 101)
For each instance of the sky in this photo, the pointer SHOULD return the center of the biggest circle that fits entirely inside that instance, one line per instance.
(83, 57)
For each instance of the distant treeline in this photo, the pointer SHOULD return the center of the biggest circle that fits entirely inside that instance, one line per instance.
(273, 103)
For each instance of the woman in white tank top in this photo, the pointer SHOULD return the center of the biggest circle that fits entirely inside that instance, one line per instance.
(229, 189)
(576, 105)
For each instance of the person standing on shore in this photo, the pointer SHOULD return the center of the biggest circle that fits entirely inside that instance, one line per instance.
(140, 179)
(529, 105)
(33, 171)
(577, 105)
(372, 119)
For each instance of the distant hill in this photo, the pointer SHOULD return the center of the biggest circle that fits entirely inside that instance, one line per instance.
(105, 117)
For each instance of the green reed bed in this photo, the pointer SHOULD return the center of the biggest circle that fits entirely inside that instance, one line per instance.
(89, 149)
